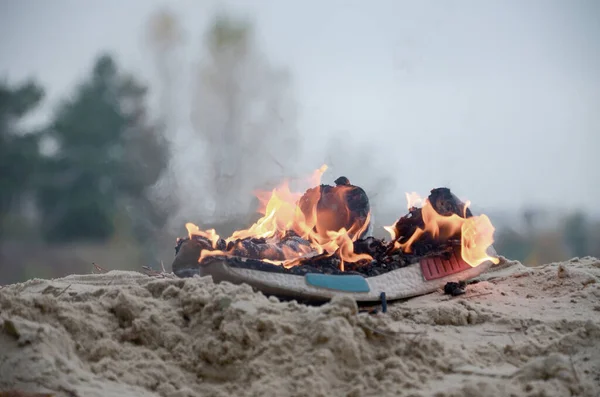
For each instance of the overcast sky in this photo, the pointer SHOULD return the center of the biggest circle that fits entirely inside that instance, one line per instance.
(500, 100)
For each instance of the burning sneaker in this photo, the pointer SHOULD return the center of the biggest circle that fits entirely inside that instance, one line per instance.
(315, 245)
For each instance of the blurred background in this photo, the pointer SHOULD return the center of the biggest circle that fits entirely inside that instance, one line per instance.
(122, 121)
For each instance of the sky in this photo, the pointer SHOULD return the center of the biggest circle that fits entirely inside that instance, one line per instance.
(496, 99)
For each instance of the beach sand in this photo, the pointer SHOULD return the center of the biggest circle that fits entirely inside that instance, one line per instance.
(517, 332)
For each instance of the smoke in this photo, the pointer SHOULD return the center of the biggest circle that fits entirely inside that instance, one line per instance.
(357, 160)
(230, 119)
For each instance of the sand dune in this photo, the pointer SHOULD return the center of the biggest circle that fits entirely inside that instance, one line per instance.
(518, 332)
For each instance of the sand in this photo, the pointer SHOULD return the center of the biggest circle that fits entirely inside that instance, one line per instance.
(518, 332)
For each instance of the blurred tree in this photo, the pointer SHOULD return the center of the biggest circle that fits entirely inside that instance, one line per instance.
(108, 155)
(146, 155)
(548, 246)
(243, 111)
(165, 36)
(530, 217)
(576, 234)
(594, 239)
(512, 244)
(19, 150)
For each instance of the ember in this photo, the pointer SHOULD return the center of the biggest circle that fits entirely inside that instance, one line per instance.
(325, 229)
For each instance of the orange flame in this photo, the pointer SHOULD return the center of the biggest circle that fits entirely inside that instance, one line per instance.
(477, 235)
(476, 232)
(282, 213)
(329, 232)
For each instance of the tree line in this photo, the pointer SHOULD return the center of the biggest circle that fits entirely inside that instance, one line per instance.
(96, 157)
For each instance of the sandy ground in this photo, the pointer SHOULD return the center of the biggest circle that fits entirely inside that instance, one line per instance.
(518, 332)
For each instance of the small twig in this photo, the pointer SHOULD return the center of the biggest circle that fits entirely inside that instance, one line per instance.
(541, 266)
(151, 272)
(99, 268)
(63, 291)
(162, 265)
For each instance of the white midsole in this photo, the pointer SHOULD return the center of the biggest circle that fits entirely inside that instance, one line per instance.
(401, 283)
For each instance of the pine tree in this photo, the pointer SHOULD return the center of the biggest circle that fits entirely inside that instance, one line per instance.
(19, 151)
(108, 155)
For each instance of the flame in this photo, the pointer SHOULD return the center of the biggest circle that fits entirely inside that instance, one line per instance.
(326, 227)
(413, 200)
(477, 235)
(282, 212)
(476, 232)
(210, 234)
